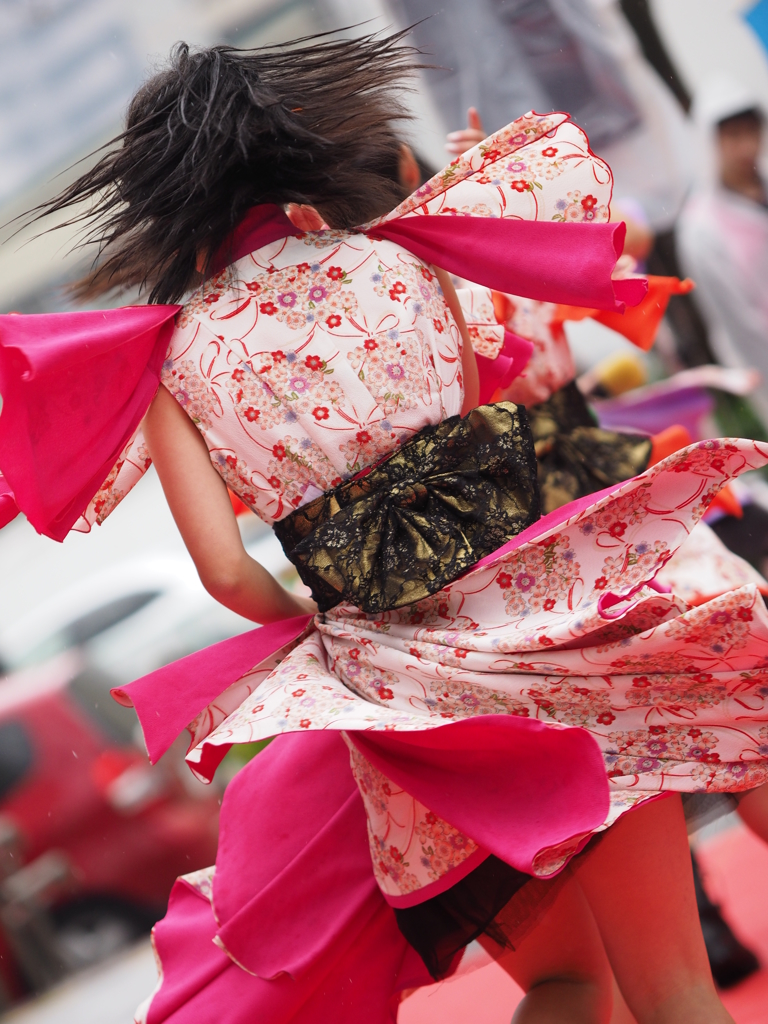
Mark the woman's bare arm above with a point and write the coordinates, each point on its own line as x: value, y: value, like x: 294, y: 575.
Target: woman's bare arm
x: 199, y: 502
x: 468, y: 361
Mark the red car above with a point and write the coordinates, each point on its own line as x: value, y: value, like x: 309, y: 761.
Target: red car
x: 91, y: 836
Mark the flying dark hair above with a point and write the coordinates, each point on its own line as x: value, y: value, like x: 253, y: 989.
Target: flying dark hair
x: 220, y: 130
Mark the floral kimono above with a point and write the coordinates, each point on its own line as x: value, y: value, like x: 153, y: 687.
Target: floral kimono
x: 460, y: 741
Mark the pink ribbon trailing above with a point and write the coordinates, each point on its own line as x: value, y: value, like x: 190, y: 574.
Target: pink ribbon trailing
x: 546, y: 260
x: 509, y: 363
x: 308, y: 935
x: 169, y: 698
x: 75, y: 386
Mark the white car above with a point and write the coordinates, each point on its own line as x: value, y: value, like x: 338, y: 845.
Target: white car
x: 133, y: 617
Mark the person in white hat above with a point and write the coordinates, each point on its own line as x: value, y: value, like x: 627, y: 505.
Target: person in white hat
x: 723, y: 232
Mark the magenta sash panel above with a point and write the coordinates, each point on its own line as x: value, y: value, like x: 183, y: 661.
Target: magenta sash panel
x: 8, y: 507
x: 546, y: 260
x: 75, y: 387
x: 567, y: 263
x: 169, y: 698
x: 295, y: 904
x: 508, y: 364
x: 514, y: 785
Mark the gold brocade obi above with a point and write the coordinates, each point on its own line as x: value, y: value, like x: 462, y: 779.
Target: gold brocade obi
x: 402, y: 530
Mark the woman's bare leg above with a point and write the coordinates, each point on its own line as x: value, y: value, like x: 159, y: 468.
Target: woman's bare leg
x: 639, y: 884
x: 561, y: 965
x: 753, y: 810
x: 621, y: 1013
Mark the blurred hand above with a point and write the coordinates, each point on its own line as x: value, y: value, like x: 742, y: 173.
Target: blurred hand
x: 639, y: 239
x: 459, y: 142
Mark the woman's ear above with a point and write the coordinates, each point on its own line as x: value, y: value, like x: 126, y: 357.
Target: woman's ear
x: 408, y: 170
x: 305, y: 218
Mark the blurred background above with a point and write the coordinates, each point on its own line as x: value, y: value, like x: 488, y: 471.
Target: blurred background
x: 672, y: 94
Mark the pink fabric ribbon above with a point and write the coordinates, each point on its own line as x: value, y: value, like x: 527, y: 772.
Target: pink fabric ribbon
x: 509, y: 363
x: 295, y: 904
x: 553, y: 262
x: 169, y: 698
x: 293, y: 883
x: 75, y: 387
x: 294, y: 899
x: 514, y: 785
x: 8, y: 507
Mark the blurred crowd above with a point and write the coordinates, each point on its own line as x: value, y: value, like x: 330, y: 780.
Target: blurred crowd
x: 690, y: 188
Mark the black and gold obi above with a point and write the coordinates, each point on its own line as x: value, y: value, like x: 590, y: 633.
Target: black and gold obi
x: 577, y: 457
x: 407, y: 527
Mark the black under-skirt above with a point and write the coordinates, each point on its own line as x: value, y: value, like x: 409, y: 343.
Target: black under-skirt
x: 441, y: 926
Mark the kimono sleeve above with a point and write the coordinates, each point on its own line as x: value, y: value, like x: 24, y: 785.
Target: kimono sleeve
x: 75, y: 387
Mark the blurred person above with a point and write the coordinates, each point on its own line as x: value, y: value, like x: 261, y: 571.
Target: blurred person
x: 723, y: 232
x: 413, y: 571
x: 723, y: 242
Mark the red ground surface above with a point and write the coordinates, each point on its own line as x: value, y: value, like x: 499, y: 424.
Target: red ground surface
x: 735, y: 864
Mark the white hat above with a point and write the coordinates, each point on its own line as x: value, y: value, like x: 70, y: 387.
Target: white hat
x: 722, y: 97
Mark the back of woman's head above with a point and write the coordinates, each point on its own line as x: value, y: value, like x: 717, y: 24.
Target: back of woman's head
x: 219, y: 130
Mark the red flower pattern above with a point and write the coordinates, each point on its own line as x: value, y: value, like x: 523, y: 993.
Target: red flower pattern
x: 635, y: 696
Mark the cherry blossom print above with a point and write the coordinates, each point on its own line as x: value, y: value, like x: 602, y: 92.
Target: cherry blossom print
x: 237, y: 476
x: 296, y: 466
x: 191, y: 391
x: 577, y: 207
x: 393, y: 372
x: 313, y: 358
x: 538, y: 576
x: 205, y: 297
x: 539, y: 168
x: 410, y: 845
x: 675, y: 697
x: 369, y: 445
x: 132, y: 464
x: 301, y: 296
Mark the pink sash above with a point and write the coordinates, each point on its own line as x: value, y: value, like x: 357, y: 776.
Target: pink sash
x: 553, y: 262
x: 75, y: 386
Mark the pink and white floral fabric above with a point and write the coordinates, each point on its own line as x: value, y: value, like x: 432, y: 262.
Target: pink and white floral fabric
x: 313, y: 357
x: 567, y: 628
x: 702, y: 568
x: 310, y: 359
x: 539, y: 167
x: 551, y: 365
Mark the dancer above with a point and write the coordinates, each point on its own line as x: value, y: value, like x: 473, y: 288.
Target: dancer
x: 502, y: 685
x: 577, y: 455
